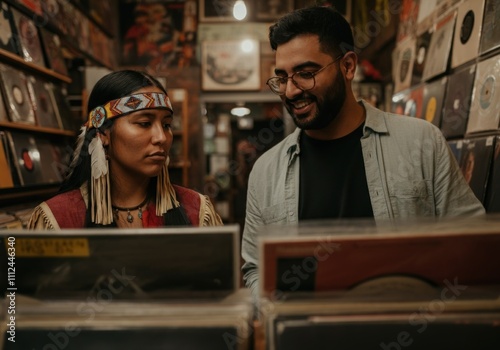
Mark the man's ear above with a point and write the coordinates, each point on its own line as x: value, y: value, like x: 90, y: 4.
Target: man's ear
x: 349, y: 64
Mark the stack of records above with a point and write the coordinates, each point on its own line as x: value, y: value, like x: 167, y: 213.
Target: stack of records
x: 327, y: 282
x: 159, y: 288
x: 7, y: 28
x: 490, y: 37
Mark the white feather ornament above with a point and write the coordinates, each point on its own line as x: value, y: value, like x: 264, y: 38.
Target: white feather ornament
x: 101, y: 210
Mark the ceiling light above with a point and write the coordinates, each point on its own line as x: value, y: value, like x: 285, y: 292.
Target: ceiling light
x: 239, y: 10
x: 240, y: 111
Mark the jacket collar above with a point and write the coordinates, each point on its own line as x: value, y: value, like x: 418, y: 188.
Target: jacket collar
x: 375, y: 121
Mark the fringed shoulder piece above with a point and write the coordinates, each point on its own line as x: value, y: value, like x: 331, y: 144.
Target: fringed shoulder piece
x: 42, y: 219
x: 208, y: 215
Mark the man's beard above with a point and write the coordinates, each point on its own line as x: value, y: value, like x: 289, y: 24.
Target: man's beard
x: 326, y: 109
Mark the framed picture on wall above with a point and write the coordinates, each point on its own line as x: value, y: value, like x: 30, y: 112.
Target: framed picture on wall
x: 272, y: 9
x: 230, y: 65
x: 216, y: 10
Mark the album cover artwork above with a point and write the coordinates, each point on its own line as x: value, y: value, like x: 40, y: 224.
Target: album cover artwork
x: 62, y: 107
x: 42, y: 102
x: 3, y: 112
x: 467, y: 32
x: 34, y: 6
x: 17, y: 98
x: 484, y: 114
x: 405, y: 55
x: 29, y: 45
x: 52, y: 14
x: 475, y: 163
x: 407, y: 19
x: 433, y: 100
x: 53, y: 52
x: 48, y: 161
x: 440, y: 48
x: 399, y: 101
x: 457, y: 102
x: 6, y: 180
x: 490, y: 35
x: 414, y: 104
x: 456, y: 147
x: 492, y: 201
x: 26, y: 158
x: 422, y: 48
x: 7, y: 28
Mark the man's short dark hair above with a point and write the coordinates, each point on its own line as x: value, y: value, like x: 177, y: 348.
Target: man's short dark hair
x: 333, y: 30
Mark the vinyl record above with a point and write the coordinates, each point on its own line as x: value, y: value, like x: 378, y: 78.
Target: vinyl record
x: 53, y: 53
x: 475, y: 163
x: 404, y: 65
x: 29, y: 41
x: 422, y: 49
x: 490, y: 36
x: 433, y: 100
x: 26, y: 158
x: 484, y: 113
x: 7, y: 38
x: 17, y: 100
x: 467, y: 32
x: 457, y: 102
x: 42, y: 102
x: 440, y: 48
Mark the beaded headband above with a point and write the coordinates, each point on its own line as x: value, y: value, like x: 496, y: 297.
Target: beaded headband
x: 128, y: 104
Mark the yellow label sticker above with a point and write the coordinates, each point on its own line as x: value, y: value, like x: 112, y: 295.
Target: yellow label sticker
x: 52, y: 247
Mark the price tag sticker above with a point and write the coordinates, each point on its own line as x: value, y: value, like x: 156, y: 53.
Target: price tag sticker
x: 52, y: 247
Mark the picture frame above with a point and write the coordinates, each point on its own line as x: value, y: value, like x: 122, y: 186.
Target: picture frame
x: 230, y: 65
x: 266, y: 10
x: 216, y: 10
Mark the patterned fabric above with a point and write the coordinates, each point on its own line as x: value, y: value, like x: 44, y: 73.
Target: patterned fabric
x: 128, y: 104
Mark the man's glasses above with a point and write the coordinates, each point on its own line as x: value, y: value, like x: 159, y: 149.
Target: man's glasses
x: 304, y: 80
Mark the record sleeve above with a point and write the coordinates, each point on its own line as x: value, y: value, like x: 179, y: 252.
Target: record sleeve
x: 476, y: 163
x: 7, y: 28
x: 405, y: 57
x: 440, y: 47
x: 422, y: 48
x: 48, y: 161
x: 6, y: 180
x: 34, y: 6
x: 17, y: 97
x: 44, y: 109
x: 29, y: 44
x: 414, y: 104
x: 490, y: 37
x: 53, y: 52
x: 399, y: 101
x: 387, y: 331
x: 433, y: 100
x: 26, y: 158
x: 63, y: 109
x: 467, y: 32
x: 456, y: 147
x: 320, y: 260
x: 457, y: 102
x: 407, y: 19
x: 3, y: 112
x: 484, y: 114
x: 492, y: 202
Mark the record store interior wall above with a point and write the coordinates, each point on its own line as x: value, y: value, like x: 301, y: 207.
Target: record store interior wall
x: 414, y: 52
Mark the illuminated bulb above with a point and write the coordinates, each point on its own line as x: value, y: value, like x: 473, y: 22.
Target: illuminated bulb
x: 239, y: 10
x: 240, y: 111
x: 247, y: 45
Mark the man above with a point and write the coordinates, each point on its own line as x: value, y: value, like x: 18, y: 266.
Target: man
x: 346, y: 159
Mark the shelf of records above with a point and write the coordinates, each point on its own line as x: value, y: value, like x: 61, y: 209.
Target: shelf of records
x: 94, y: 289
x: 36, y: 35
x: 328, y: 282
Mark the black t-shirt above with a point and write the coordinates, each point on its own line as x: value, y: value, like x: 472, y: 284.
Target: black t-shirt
x: 333, y: 179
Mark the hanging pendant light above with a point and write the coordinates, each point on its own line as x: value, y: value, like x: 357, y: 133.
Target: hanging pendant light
x: 239, y: 10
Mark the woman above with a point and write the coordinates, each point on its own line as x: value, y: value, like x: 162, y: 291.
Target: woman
x: 118, y: 176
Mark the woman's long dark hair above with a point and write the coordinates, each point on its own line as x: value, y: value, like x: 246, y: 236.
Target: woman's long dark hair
x: 112, y: 86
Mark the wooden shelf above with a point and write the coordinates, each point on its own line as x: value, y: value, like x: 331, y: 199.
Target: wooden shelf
x: 8, y: 195
x: 38, y: 129
x: 17, y: 61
